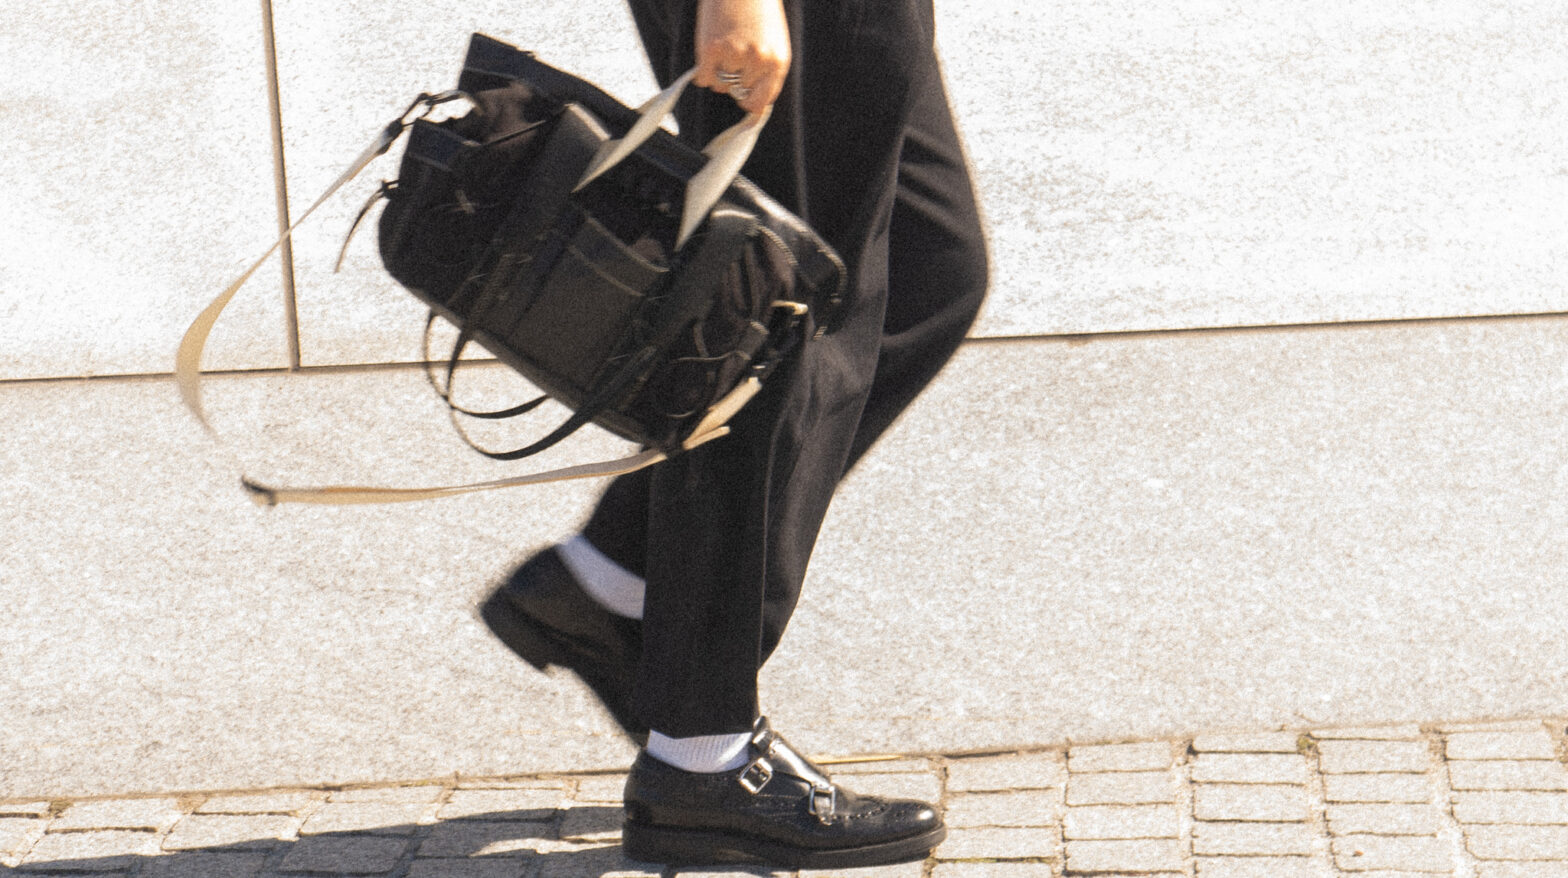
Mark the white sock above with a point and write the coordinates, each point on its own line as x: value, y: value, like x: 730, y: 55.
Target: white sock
x: 708, y: 754
x: 614, y: 587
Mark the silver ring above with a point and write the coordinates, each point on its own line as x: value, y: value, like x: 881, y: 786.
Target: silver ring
x: 740, y: 92
x: 728, y: 77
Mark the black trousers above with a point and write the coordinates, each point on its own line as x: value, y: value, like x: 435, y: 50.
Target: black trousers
x: 861, y: 144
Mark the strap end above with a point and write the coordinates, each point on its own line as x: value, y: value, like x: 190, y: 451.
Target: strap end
x: 261, y: 495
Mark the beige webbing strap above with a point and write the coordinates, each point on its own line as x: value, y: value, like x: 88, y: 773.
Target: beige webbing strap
x: 712, y: 427
x: 187, y: 361
x: 726, y: 153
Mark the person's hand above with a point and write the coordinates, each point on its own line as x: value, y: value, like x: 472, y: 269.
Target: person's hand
x: 743, y: 50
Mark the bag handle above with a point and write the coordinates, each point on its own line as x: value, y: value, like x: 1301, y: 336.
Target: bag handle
x: 726, y: 153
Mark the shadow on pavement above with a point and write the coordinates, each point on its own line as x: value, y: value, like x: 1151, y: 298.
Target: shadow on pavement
x: 573, y: 842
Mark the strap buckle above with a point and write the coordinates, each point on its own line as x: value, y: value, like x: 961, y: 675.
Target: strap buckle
x: 824, y: 803
x: 756, y: 775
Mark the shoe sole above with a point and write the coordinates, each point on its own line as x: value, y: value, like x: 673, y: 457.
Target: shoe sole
x: 538, y: 646
x: 689, y: 847
x: 520, y: 635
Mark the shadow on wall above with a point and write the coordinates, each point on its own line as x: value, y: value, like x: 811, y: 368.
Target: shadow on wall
x: 567, y: 842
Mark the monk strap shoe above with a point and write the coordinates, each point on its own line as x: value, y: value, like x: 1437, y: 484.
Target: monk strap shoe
x: 542, y: 614
x: 780, y: 809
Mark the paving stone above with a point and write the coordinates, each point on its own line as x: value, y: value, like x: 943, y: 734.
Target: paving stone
x: 515, y: 804
x: 1150, y: 756
x: 1249, y: 768
x: 1261, y: 742
x: 1511, y: 807
x: 923, y: 786
x: 601, y: 823
x: 455, y: 868
x: 601, y: 789
x: 1408, y: 788
x: 1256, y: 867
x: 476, y: 838
x: 261, y: 803
x: 1370, y: 733
x: 1383, y: 819
x: 204, y: 865
x: 1121, y: 788
x: 1494, y: 869
x: 1035, y: 771
x: 513, y: 783
x: 1535, y: 744
x: 1517, y: 842
x: 998, y: 843
x: 1397, y: 873
x: 155, y: 815
x: 1513, y: 725
x: 1363, y: 757
x: 716, y: 872
x: 1252, y: 839
x: 345, y: 854
x: 1029, y: 808
x: 381, y: 818
x: 114, y: 848
x: 993, y: 870
x: 1509, y: 775
x: 1141, y: 855
x: 1365, y: 853
x: 17, y: 833
x: 607, y: 861
x: 881, y: 766
x: 24, y: 809
x: 1250, y: 802
x: 421, y: 794
x: 898, y: 870
x: 1110, y: 822
x: 63, y: 870
x: 224, y: 830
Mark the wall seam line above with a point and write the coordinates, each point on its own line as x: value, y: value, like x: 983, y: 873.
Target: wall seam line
x: 281, y: 187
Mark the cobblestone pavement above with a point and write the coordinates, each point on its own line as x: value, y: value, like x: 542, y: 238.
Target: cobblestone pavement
x: 1483, y: 800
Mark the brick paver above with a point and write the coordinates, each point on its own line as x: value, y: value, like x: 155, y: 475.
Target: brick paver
x: 1250, y: 802
x: 1488, y: 800
x: 1112, y: 822
x: 1538, y: 774
x: 1152, y: 756
x: 1034, y: 771
x: 1258, y: 742
x: 1534, y: 744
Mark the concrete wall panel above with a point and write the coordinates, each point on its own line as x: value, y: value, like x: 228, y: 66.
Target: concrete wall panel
x: 139, y: 181
x: 1198, y: 163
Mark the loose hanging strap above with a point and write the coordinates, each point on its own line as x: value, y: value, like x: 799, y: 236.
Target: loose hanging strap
x: 727, y: 153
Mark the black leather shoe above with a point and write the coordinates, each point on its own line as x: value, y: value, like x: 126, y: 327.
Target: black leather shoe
x: 780, y: 810
x: 542, y: 614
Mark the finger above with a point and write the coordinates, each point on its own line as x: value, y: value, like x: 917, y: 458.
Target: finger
x: 715, y: 56
x: 763, y: 91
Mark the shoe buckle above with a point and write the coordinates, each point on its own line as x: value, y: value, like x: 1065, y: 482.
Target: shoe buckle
x: 756, y: 775
x: 824, y: 803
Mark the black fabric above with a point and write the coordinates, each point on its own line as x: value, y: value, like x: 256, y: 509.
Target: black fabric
x: 862, y: 145
x: 585, y: 291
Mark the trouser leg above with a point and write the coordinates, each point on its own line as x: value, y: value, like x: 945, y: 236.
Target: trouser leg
x: 723, y: 534
x: 937, y: 281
